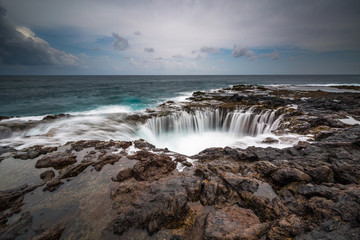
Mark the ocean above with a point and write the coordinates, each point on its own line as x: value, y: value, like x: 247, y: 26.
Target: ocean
x: 41, y: 95
x: 101, y: 108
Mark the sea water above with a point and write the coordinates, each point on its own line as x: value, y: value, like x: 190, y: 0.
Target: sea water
x: 99, y: 106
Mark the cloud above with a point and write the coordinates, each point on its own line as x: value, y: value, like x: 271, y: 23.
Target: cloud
x: 137, y: 33
x: 242, y: 52
x: 120, y: 43
x: 273, y: 55
x: 20, y: 46
x: 149, y: 50
x: 211, y: 50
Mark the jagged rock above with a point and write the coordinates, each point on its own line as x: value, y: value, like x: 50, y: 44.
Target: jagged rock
x: 321, y: 174
x: 240, y: 184
x: 233, y: 223
x: 142, y: 144
x: 285, y: 176
x: 56, y: 161
x: 74, y: 170
x: 154, y: 168
x: 124, y: 175
x: 150, y: 206
x: 47, y: 175
x: 107, y: 159
x: 53, y: 233
x: 287, y: 228
x: 332, y: 230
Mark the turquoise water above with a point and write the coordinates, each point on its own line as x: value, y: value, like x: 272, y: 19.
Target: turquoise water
x: 40, y: 95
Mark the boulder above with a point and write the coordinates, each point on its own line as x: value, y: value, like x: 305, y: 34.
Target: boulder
x: 56, y: 161
x: 47, y: 175
x: 288, y: 175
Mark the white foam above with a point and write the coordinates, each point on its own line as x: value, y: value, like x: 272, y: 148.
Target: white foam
x: 104, y: 110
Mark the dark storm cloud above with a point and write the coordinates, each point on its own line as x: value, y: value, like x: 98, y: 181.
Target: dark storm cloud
x: 211, y: 50
x: 149, y: 50
x: 242, y: 52
x: 20, y: 46
x: 120, y: 42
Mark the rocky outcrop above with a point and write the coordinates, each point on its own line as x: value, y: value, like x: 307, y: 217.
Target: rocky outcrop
x: 56, y: 161
x: 308, y: 191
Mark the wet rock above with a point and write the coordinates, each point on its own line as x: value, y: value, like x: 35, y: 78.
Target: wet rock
x: 74, y: 170
x: 56, y: 116
x: 142, y: 144
x: 240, y: 184
x: 270, y: 140
x: 3, y: 118
x: 47, y: 175
x: 56, y: 161
x: 123, y: 175
x: 287, y: 228
x: 53, y: 233
x: 321, y: 174
x: 150, y: 206
x: 209, y: 192
x: 285, y: 176
x: 52, y: 185
x: 154, y: 168
x: 5, y: 132
x: 20, y: 227
x: 11, y: 197
x: 107, y: 159
x: 33, y: 152
x: 211, y: 154
x: 332, y: 230
x: 233, y: 223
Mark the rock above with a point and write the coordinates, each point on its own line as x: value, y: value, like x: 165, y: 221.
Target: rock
x: 240, y: 184
x: 56, y: 161
x: 18, y: 228
x: 52, y: 185
x: 233, y: 223
x: 47, y: 175
x: 74, y: 170
x: 286, y: 175
x: 321, y: 174
x: 162, y: 204
x: 56, y: 116
x: 53, y: 233
x: 332, y: 230
x: 209, y: 192
x: 287, y: 228
x: 10, y: 197
x: 124, y: 175
x: 154, y: 168
x: 270, y: 140
x: 5, y: 132
x: 4, y: 117
x: 142, y: 144
x: 107, y: 159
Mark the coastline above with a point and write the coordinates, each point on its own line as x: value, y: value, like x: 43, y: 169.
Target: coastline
x: 307, y: 190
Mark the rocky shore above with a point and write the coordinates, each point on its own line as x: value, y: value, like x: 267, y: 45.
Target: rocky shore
x: 133, y: 190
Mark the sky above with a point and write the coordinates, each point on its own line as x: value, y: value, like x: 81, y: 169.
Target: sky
x: 188, y: 37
